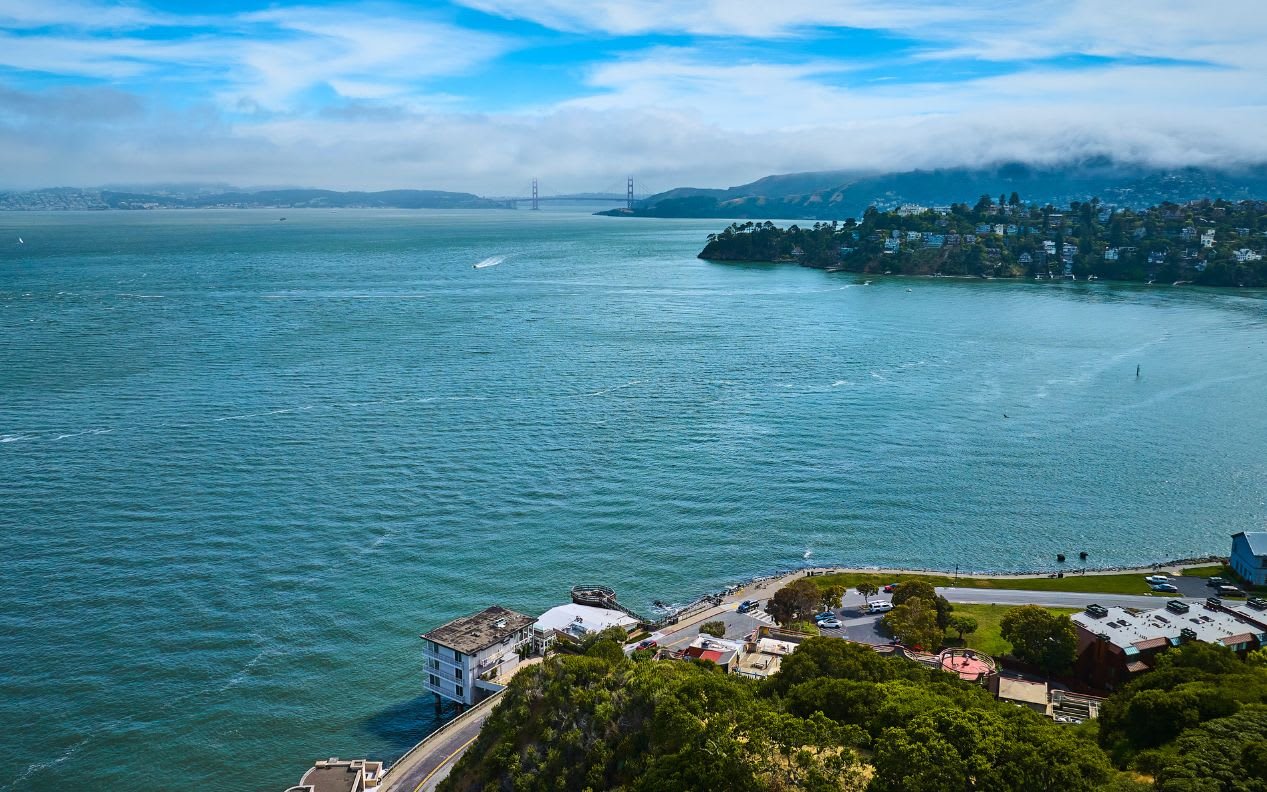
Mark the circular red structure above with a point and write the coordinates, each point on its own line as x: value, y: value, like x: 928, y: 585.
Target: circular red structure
x: 968, y: 665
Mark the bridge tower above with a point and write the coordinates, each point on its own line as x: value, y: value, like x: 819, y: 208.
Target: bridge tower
x: 629, y: 199
x: 534, y: 195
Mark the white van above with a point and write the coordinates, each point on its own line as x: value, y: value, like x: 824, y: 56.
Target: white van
x: 877, y: 606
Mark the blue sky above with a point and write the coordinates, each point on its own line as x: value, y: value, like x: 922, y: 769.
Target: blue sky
x: 483, y: 95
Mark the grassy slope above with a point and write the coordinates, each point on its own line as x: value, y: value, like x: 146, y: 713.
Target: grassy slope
x: 987, y: 638
x: 1128, y: 583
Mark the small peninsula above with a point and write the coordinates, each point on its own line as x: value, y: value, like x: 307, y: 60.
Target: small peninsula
x: 1208, y: 243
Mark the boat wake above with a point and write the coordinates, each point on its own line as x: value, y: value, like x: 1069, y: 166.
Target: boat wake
x: 491, y: 261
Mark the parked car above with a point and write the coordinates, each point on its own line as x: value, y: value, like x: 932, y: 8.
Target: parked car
x: 824, y: 615
x: 1216, y: 582
x: 747, y: 606
x: 877, y: 606
x: 1169, y: 588
x: 831, y: 624
x: 1157, y: 579
x: 648, y: 644
x: 1230, y: 591
x: 889, y: 587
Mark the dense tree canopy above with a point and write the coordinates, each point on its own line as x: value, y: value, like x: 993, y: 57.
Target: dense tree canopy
x: 1214, y: 243
x: 1040, y: 637
x: 838, y: 716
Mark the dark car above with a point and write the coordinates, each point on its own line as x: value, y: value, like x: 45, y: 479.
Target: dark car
x: 824, y: 615
x: 747, y: 606
x: 1216, y: 582
x: 1230, y: 591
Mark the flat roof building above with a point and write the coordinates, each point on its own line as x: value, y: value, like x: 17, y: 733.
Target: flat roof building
x: 465, y: 657
x: 576, y: 621
x: 340, y: 775
x: 1114, y: 644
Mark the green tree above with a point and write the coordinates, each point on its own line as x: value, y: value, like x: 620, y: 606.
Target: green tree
x: 833, y: 596
x: 1040, y: 637
x: 867, y: 589
x: 912, y: 589
x: 962, y: 624
x: 717, y: 629
x: 914, y: 623
x: 798, y: 599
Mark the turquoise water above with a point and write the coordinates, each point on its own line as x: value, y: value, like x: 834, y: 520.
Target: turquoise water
x: 244, y: 463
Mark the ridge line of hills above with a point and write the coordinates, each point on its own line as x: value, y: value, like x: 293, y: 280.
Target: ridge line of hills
x: 839, y: 195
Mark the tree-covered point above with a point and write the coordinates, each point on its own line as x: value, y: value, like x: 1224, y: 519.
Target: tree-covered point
x: 1214, y: 243
x: 838, y: 716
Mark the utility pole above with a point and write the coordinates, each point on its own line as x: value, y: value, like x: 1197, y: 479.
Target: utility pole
x: 629, y: 194
x: 534, y: 195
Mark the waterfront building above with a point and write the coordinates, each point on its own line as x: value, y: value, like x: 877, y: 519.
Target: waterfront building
x: 1115, y: 644
x: 341, y: 775
x: 1249, y: 556
x: 574, y: 621
x: 464, y: 658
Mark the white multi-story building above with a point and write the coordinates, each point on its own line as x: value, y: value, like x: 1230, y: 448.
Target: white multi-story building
x: 465, y: 658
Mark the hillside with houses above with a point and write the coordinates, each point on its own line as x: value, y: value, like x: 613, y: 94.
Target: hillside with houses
x: 1211, y: 243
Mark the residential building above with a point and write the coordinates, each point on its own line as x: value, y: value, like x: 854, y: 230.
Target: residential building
x: 908, y: 209
x: 934, y: 240
x: 1207, y: 238
x: 892, y: 245
x: 762, y: 656
x: 1244, y: 255
x: 574, y: 622
x: 1025, y: 258
x: 1249, y: 556
x: 1110, y: 254
x: 720, y: 651
x: 913, y: 236
x: 1049, y: 247
x: 340, y: 775
x: 1115, y: 644
x: 466, y: 656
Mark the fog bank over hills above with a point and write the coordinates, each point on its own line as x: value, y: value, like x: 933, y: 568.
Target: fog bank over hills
x: 832, y: 195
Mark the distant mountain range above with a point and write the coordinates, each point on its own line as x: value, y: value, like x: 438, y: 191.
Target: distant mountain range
x: 70, y: 198
x: 836, y: 195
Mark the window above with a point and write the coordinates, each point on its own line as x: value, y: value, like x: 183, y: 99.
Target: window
x: 435, y: 663
x: 457, y: 656
x: 457, y: 673
x: 433, y: 680
x: 459, y: 691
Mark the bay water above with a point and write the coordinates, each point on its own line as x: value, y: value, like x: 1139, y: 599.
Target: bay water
x: 245, y: 461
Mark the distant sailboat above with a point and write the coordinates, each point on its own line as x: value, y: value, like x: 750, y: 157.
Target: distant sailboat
x: 20, y: 242
x: 491, y: 261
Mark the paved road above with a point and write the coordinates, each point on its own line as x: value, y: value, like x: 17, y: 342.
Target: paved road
x: 1057, y: 599
x: 425, y: 769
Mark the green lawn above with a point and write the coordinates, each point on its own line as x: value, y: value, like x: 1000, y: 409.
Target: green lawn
x: 1217, y: 570
x: 987, y: 638
x: 1128, y: 583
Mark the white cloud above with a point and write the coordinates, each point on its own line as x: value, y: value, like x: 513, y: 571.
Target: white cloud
x: 750, y: 18
x: 358, y: 96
